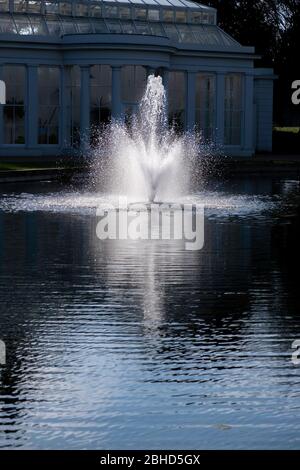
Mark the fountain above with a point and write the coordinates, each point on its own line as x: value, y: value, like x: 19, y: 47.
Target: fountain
x: 146, y: 160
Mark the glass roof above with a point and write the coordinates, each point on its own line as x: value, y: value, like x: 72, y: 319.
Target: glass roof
x: 58, y: 25
x: 193, y: 12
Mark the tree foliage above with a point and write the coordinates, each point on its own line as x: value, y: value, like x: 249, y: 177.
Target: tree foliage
x: 273, y: 28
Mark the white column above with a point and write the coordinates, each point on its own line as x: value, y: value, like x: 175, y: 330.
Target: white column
x: 85, y: 106
x: 190, y: 100
x: 32, y: 106
x: 66, y: 107
x: 116, y: 93
x: 220, y: 108
x: 248, y: 113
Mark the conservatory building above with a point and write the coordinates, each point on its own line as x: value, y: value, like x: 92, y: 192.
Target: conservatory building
x: 70, y: 66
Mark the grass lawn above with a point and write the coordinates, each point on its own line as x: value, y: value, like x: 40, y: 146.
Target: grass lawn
x: 293, y: 130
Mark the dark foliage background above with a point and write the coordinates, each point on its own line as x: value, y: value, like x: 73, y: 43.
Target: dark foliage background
x: 273, y: 27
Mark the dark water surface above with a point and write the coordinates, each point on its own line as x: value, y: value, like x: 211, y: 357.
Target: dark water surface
x: 143, y: 344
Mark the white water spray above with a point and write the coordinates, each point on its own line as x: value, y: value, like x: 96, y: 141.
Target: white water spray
x: 146, y: 161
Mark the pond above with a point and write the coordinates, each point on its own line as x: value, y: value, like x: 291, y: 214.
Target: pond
x: 142, y: 344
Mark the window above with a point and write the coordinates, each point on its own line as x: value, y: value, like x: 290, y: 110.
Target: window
x: 51, y: 7
x: 110, y: 11
x: 54, y: 27
x: 4, y: 5
x: 95, y: 11
x: 156, y: 29
x: 171, y: 31
x: 233, y: 109
x: 83, y: 26
x: 68, y: 26
x: 180, y: 16
x: 125, y: 13
x: 49, y: 101
x: 65, y: 8
x: 153, y: 15
x: 114, y: 26
x: 128, y: 27
x: 205, y: 105
x: 196, y: 17
x: 82, y: 9
x: 205, y: 18
x: 20, y: 6
x: 23, y: 25
x: 133, y: 82
x: 140, y: 14
x: 7, y: 25
x: 34, y: 6
x: 100, y: 112
x: 168, y: 15
x: 186, y: 34
x: 142, y: 27
x: 38, y: 25
x: 207, y: 36
x: 100, y: 27
x: 14, y: 109
x: 176, y: 100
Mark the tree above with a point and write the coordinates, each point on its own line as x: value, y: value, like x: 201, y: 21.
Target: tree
x: 273, y: 28
x: 252, y: 23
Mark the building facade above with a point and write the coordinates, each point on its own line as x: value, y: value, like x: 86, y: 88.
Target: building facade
x: 70, y: 66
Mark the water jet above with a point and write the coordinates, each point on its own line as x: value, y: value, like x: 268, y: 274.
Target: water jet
x: 147, y: 160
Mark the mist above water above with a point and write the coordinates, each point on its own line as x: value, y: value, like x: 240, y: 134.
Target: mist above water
x: 147, y: 160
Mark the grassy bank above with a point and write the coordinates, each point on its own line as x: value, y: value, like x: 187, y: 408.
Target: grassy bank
x: 293, y: 130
